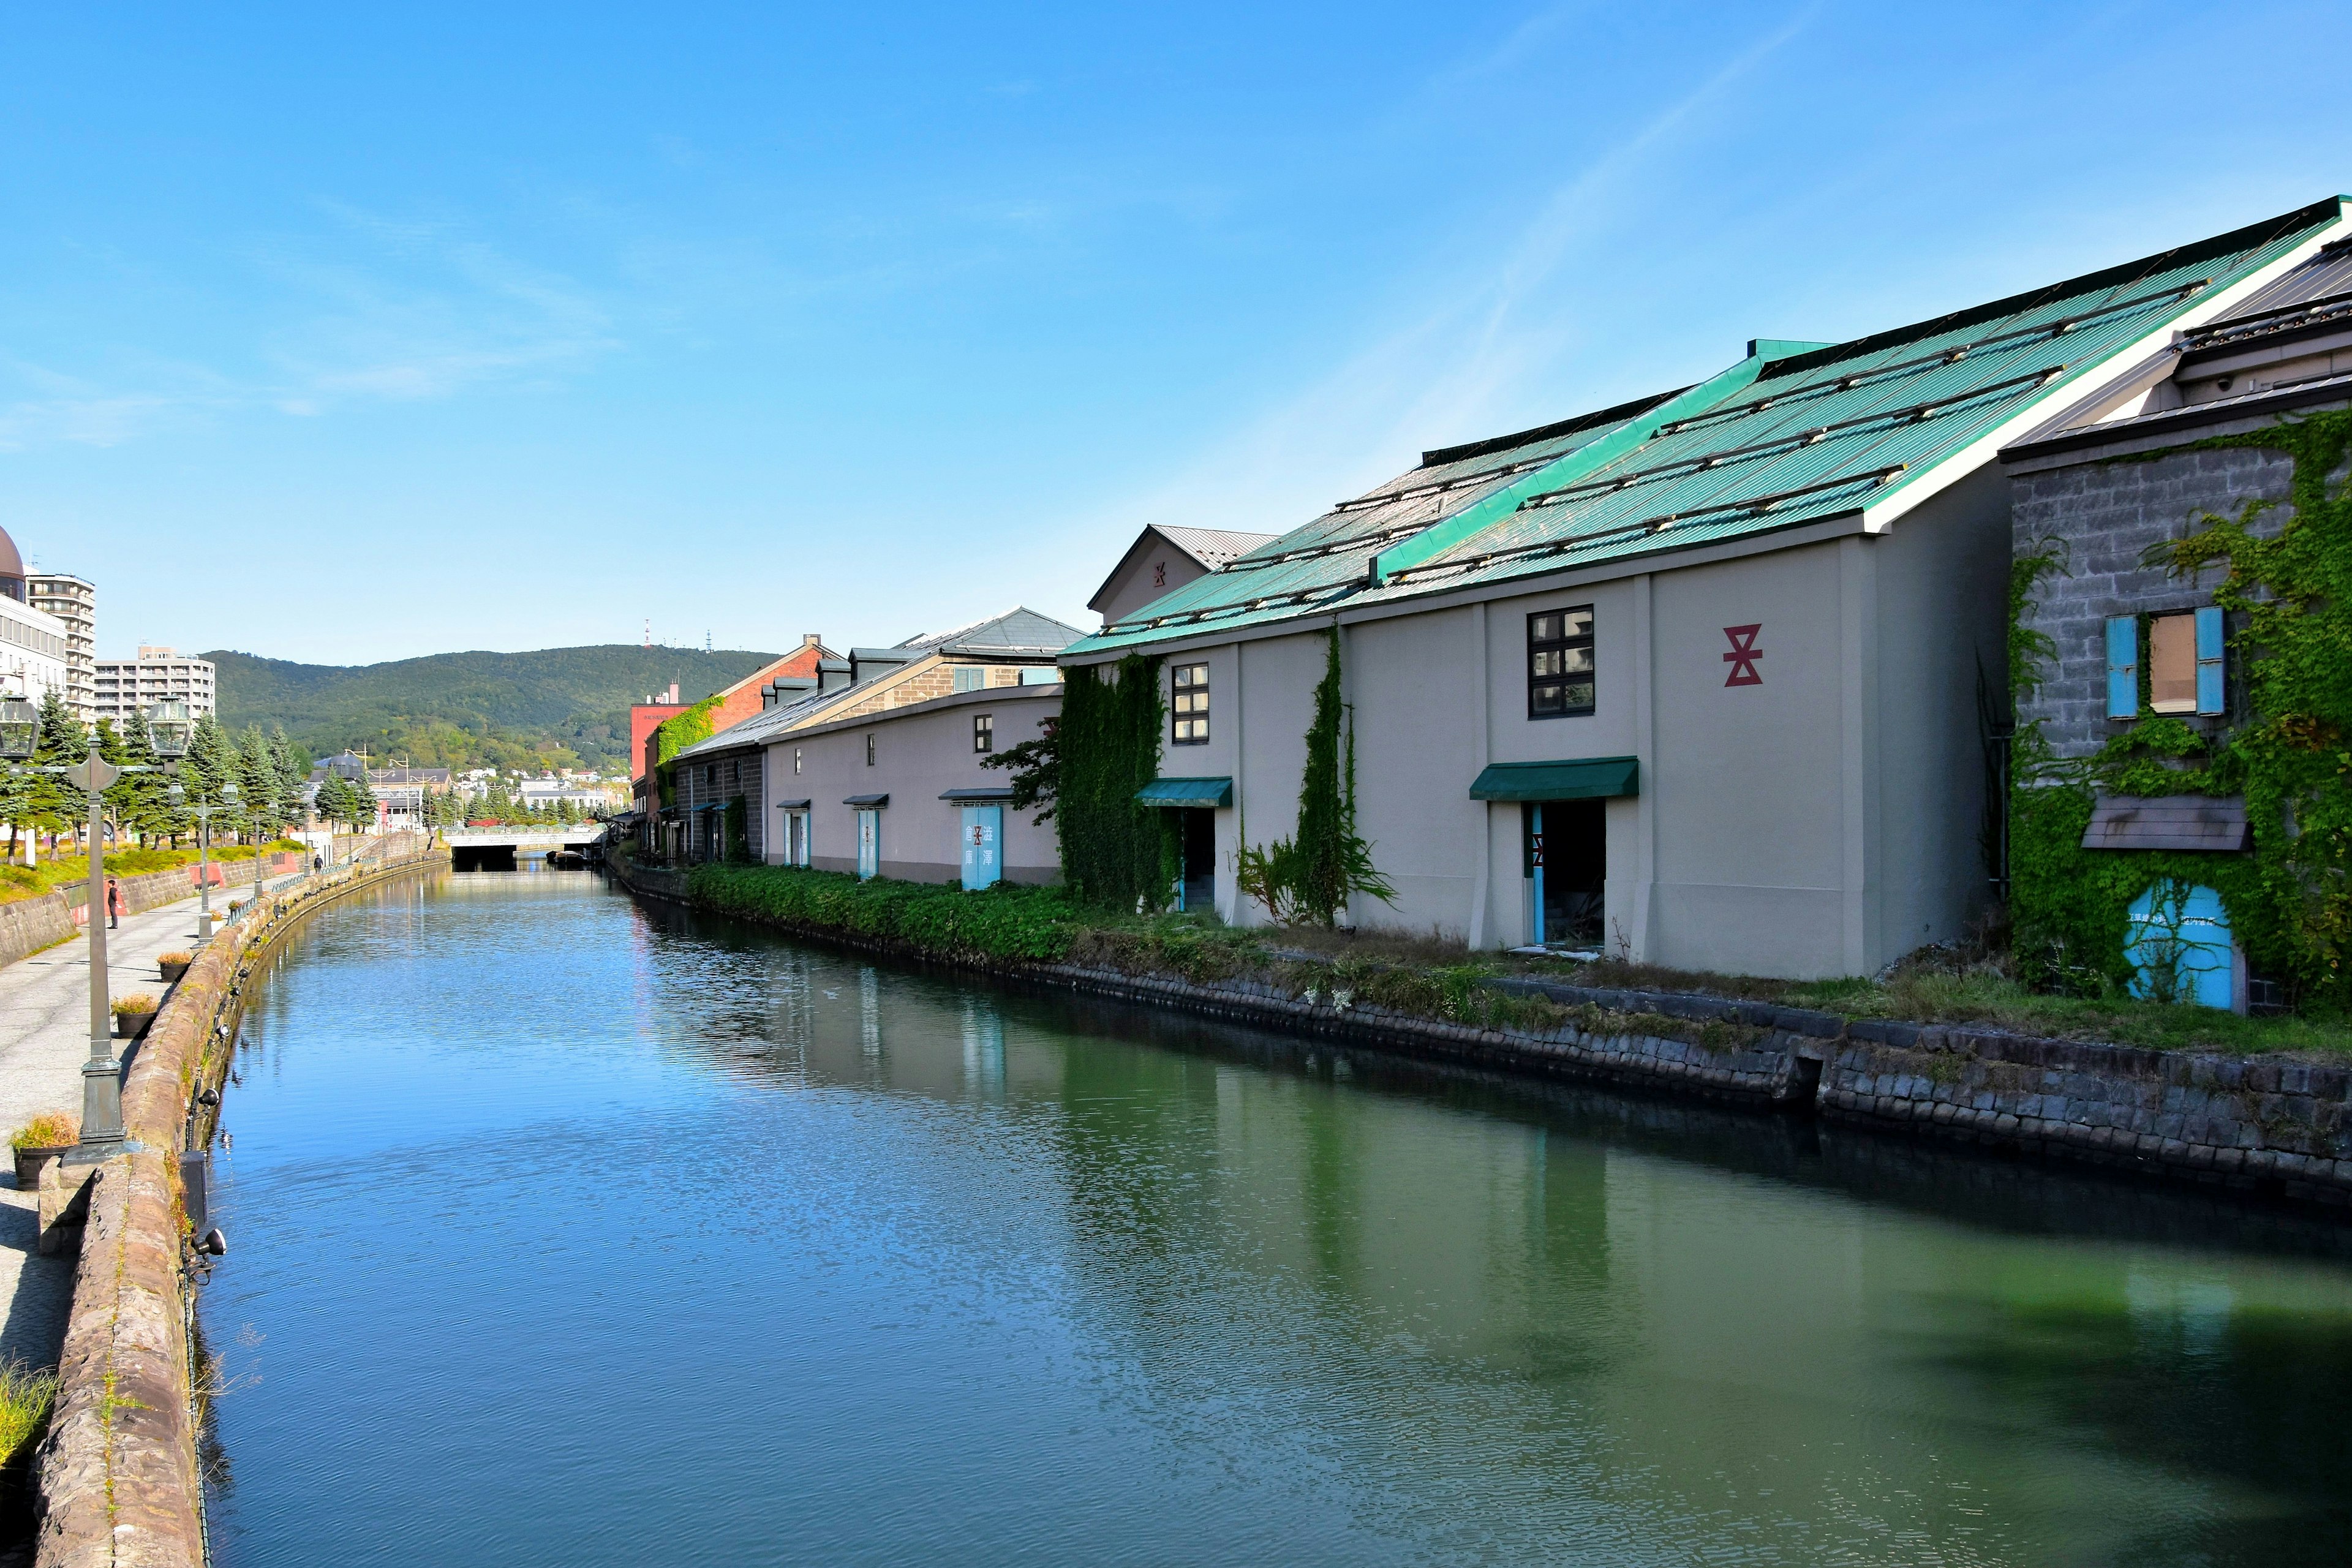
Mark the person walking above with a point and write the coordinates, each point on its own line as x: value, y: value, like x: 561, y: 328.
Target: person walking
x: 113, y: 904
x: 318, y: 861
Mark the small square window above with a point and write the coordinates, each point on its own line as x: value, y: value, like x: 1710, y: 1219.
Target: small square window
x: 983, y: 732
x: 1188, y: 704
x: 1560, y: 663
x: 869, y: 751
x: 970, y: 678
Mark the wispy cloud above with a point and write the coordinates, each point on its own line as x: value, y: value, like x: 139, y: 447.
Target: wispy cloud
x: 373, y: 309
x: 1444, y: 372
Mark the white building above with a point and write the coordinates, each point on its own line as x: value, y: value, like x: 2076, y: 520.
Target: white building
x: 75, y: 604
x: 156, y: 675
x: 34, y: 645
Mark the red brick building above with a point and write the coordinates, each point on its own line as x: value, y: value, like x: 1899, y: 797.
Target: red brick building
x: 736, y: 703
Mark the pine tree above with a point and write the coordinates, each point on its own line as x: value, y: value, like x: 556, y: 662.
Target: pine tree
x: 257, y: 783
x: 145, y: 805
x: 56, y: 805
x: 210, y: 762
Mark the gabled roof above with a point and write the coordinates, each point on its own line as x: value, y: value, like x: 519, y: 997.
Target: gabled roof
x: 1017, y: 634
x: 1208, y: 548
x: 1792, y: 434
x: 1016, y: 631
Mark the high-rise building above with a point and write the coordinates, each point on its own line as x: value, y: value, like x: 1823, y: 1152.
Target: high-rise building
x: 75, y: 602
x: 156, y: 675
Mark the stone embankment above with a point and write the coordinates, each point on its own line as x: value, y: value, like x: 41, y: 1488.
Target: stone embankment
x: 2254, y: 1124
x: 117, y: 1472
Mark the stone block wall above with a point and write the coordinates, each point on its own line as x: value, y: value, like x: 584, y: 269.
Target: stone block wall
x: 2106, y: 515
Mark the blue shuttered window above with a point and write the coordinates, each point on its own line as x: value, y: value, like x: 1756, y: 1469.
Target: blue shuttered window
x: 2122, y: 667
x: 2211, y: 696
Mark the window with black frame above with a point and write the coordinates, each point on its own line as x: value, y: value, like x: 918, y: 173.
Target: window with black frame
x: 1188, y: 706
x: 1560, y: 663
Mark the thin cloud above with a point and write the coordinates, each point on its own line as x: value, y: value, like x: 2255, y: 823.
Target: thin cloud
x: 1443, y: 373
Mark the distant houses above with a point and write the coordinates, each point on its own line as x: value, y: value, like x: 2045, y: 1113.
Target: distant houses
x: 1790, y: 671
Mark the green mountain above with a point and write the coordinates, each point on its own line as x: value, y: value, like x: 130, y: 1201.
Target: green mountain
x: 558, y: 707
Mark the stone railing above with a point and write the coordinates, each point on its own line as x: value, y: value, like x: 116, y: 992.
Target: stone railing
x: 118, y: 1482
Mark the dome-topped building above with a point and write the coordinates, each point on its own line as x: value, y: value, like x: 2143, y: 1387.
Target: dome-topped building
x: 12, y: 569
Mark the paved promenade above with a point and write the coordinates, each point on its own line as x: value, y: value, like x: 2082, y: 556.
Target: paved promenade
x: 44, y: 1040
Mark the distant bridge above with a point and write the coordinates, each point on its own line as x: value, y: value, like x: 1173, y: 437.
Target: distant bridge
x: 499, y: 848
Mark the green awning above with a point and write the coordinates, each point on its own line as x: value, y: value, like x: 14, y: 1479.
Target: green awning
x: 1586, y: 778
x: 1186, y: 793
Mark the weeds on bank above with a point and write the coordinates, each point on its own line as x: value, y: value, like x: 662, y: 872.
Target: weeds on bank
x: 1435, y: 976
x: 26, y: 1398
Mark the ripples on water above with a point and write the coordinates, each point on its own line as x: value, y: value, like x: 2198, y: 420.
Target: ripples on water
x: 568, y: 1232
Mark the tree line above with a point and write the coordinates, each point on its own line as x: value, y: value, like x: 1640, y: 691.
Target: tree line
x: 267, y: 768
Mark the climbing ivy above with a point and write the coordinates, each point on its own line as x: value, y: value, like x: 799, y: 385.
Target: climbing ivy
x: 1308, y: 877
x: 674, y: 734
x: 2289, y: 599
x: 1113, y: 850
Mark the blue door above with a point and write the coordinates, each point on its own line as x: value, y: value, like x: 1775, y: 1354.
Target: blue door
x: 2180, y: 947
x: 869, y: 844
x: 984, y: 838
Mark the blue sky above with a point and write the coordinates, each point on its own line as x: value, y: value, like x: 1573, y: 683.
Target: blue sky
x: 341, y: 334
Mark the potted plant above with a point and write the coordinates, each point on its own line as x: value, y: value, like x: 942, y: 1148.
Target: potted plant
x: 40, y: 1140
x: 133, y: 1014
x: 173, y: 965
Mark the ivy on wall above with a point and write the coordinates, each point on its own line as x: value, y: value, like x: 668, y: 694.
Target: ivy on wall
x: 2289, y: 599
x: 1113, y: 850
x: 674, y: 734
x: 1311, y: 876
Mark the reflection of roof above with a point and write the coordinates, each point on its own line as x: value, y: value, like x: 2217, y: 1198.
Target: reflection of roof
x: 1794, y: 433
x: 1015, y: 634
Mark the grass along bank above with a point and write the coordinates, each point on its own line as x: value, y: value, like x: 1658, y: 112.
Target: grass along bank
x: 31, y: 881
x: 1432, y: 978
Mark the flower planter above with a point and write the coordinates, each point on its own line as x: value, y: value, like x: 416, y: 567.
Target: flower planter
x: 172, y: 972
x: 31, y: 1161
x: 131, y: 1026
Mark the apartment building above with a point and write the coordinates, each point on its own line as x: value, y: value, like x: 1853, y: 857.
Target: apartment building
x: 74, y: 603
x: 158, y: 674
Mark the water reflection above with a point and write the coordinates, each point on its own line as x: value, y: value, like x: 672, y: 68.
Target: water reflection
x: 906, y: 1268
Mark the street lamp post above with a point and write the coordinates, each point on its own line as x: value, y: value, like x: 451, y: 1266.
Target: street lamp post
x: 101, y: 1076
x: 204, y: 816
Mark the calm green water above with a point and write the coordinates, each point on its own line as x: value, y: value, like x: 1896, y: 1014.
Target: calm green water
x: 565, y: 1232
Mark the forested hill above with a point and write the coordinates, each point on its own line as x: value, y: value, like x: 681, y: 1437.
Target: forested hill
x: 560, y: 706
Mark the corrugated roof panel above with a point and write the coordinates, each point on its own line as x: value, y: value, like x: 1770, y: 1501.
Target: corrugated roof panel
x: 1816, y: 434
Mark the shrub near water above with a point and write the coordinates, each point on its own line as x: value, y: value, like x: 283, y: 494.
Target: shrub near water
x: 1006, y: 922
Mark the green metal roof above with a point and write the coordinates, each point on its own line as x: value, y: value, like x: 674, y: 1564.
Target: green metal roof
x: 1792, y: 434
x: 1186, y: 793
x: 1585, y: 778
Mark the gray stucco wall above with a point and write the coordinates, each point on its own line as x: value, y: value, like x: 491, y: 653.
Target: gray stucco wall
x: 2106, y: 515
x: 920, y: 751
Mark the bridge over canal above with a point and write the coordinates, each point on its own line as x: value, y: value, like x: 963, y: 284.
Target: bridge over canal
x: 502, y: 848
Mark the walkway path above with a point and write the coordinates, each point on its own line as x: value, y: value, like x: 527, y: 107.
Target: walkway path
x: 44, y: 1040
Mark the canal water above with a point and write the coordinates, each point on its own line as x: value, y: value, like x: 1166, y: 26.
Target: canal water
x: 565, y: 1231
